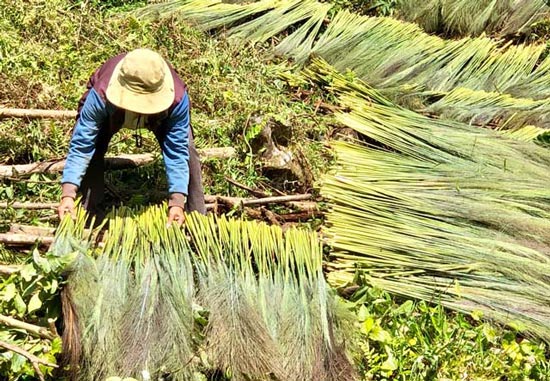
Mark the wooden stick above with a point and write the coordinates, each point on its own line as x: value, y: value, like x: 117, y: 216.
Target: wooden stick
x: 32, y: 329
x: 36, y: 114
x: 9, y: 269
x: 255, y: 192
x: 32, y: 358
x: 30, y: 205
x: 18, y: 239
x: 115, y: 162
x: 31, y: 229
x: 235, y: 201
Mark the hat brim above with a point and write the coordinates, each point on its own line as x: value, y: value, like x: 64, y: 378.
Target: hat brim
x: 148, y: 103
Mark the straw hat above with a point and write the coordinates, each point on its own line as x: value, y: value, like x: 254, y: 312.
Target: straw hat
x: 142, y: 83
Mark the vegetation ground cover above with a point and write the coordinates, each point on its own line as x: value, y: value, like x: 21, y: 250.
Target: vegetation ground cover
x: 236, y: 90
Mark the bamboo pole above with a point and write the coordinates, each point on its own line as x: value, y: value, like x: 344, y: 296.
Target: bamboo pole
x: 115, y: 162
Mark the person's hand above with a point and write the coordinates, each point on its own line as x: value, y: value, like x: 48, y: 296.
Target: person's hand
x: 175, y: 214
x: 66, y: 206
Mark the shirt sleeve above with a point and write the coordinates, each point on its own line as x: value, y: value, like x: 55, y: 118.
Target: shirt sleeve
x: 175, y: 148
x: 82, y: 147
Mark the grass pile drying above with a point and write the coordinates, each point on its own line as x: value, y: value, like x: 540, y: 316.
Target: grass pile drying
x: 132, y: 301
x: 473, y: 17
x: 438, y: 210
x: 397, y: 57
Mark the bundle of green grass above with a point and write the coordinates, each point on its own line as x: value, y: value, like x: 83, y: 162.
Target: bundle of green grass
x: 149, y: 301
x: 472, y: 79
x: 439, y: 210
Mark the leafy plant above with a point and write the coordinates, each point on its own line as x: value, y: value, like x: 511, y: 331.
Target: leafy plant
x: 29, y: 308
x: 367, y: 7
x: 406, y: 340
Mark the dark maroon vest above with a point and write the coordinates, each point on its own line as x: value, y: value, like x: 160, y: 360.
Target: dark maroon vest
x: 99, y: 82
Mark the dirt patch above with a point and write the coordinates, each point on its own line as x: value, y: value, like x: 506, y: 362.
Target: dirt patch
x: 19, y: 92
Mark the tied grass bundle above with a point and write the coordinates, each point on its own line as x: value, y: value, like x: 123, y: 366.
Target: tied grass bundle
x: 265, y: 290
x: 473, y: 17
x: 382, y: 51
x: 439, y: 210
x: 492, y: 109
x: 270, y: 313
x: 397, y: 57
x: 132, y: 298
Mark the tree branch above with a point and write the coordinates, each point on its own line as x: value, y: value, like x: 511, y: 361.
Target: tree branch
x: 255, y: 192
x: 15, y: 239
x: 236, y: 201
x: 32, y: 329
x: 32, y: 358
x: 115, y: 162
x: 36, y: 114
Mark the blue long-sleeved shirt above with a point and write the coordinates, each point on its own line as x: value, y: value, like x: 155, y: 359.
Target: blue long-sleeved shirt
x: 94, y: 115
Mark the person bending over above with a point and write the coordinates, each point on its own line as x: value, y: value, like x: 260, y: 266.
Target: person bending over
x: 134, y: 90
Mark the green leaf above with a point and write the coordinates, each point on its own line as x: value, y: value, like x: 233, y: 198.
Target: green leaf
x: 53, y: 286
x: 368, y: 324
x: 42, y: 263
x: 19, y: 304
x: 363, y: 313
x: 28, y: 272
x: 9, y: 193
x: 380, y: 334
x: 390, y: 364
x: 9, y: 292
x: 476, y: 315
x: 17, y: 363
x: 35, y: 303
x: 404, y: 309
x: 56, y: 345
x: 490, y: 333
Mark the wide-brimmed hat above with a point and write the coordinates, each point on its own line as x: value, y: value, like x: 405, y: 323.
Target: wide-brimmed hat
x: 141, y: 82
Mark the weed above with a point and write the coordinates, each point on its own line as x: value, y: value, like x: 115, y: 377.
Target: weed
x: 406, y: 340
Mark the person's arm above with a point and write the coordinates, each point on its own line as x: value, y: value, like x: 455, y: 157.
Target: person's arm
x: 175, y: 150
x: 81, y: 149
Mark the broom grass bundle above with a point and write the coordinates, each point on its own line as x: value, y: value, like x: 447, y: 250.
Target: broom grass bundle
x: 473, y: 17
x: 270, y: 312
x: 394, y: 56
x: 265, y: 290
x: 492, y: 109
x: 439, y: 210
x: 132, y: 298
